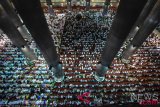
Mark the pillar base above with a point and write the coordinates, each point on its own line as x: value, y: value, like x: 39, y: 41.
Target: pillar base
x: 127, y: 53
x: 28, y: 53
x: 98, y: 78
x: 58, y: 73
x: 99, y: 75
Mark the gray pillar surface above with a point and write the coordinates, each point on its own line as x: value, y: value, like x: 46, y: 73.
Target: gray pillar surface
x: 10, y: 11
x: 145, y: 30
x: 50, y: 7
x: 13, y: 34
x: 87, y: 5
x: 148, y: 26
x: 15, y: 19
x: 145, y: 12
x: 127, y: 13
x: 105, y: 7
x: 69, y: 5
x: 34, y: 19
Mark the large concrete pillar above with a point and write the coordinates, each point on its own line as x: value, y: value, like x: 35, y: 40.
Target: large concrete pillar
x: 144, y: 31
x: 69, y: 5
x: 14, y: 17
x: 105, y: 7
x: 127, y: 13
x: 50, y: 8
x: 13, y: 34
x: 145, y: 12
x: 34, y: 19
x: 88, y: 5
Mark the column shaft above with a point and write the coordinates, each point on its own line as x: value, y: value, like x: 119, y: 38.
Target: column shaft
x: 87, y: 5
x: 148, y: 26
x: 50, y: 7
x: 145, y: 12
x: 144, y: 31
x: 15, y: 19
x: 13, y: 34
x: 69, y: 5
x: 105, y: 7
x: 34, y: 19
x: 127, y: 13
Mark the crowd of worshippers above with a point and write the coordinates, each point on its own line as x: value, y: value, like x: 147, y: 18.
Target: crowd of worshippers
x: 82, y: 24
x: 76, y: 25
x: 31, y: 84
x: 90, y: 26
x: 56, y: 25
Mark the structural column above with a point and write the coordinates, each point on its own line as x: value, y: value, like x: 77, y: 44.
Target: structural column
x: 15, y: 19
x: 144, y: 31
x: 34, y: 19
x: 145, y: 12
x: 50, y: 8
x: 127, y: 13
x: 105, y: 7
x: 13, y: 34
x: 69, y: 5
x: 88, y: 5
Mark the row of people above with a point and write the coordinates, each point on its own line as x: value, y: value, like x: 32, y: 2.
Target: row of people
x: 23, y: 82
